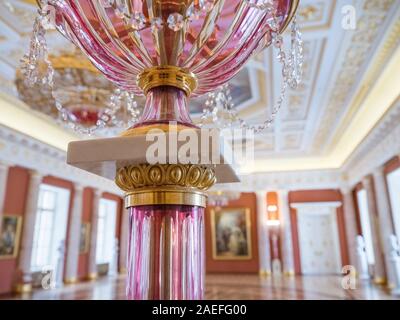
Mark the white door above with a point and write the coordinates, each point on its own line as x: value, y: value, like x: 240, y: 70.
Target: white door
x: 318, y: 239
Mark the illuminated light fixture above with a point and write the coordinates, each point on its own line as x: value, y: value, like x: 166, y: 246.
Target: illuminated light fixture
x: 272, y: 208
x: 82, y: 99
x: 168, y: 50
x: 273, y: 215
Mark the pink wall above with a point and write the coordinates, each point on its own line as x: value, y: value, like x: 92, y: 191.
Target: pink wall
x: 15, y: 201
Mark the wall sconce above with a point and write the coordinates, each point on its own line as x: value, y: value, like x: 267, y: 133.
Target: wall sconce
x: 273, y: 216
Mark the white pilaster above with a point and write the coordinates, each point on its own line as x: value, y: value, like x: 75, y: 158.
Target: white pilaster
x: 350, y: 221
x: 29, y: 227
x: 71, y: 272
x: 263, y: 237
x: 286, y: 232
x: 385, y: 220
x: 3, y: 188
x: 379, y: 270
x: 123, y: 252
x: 92, y: 271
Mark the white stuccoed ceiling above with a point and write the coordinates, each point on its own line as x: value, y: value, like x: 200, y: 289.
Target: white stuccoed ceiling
x: 341, y: 67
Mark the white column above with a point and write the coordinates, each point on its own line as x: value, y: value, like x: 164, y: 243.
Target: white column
x: 71, y: 272
x: 29, y: 232
x: 263, y: 238
x: 92, y: 272
x: 385, y: 220
x: 350, y: 221
x: 379, y: 270
x: 286, y: 232
x: 3, y: 188
x: 123, y: 252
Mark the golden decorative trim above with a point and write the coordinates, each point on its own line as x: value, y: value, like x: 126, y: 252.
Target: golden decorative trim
x: 71, y: 280
x: 144, y: 176
x: 379, y: 280
x: 264, y: 273
x: 167, y: 76
x: 92, y: 276
x: 156, y: 184
x: 292, y: 11
x: 290, y: 273
x: 33, y: 2
x: 72, y: 61
x: 23, y: 288
x: 158, y: 196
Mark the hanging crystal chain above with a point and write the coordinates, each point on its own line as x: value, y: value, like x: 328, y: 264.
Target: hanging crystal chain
x: 37, y: 68
x: 291, y: 76
x: 175, y: 21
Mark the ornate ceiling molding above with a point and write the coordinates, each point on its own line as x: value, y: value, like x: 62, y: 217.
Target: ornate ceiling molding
x: 370, y: 24
x: 300, y: 180
x: 380, y: 146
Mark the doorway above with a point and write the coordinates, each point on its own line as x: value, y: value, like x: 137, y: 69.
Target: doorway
x: 318, y: 238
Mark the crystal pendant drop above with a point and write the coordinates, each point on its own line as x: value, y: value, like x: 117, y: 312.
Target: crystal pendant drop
x: 156, y: 24
x: 277, y: 41
x: 35, y: 65
x: 273, y: 24
x: 138, y: 20
x: 175, y: 21
x: 46, y: 20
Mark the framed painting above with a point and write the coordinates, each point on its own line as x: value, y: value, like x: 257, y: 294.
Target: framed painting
x: 231, y: 234
x: 84, y: 238
x: 10, y: 236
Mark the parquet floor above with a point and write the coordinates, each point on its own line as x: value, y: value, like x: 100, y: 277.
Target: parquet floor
x: 223, y: 286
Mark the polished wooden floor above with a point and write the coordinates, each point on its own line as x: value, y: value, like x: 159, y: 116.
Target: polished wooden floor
x: 246, y: 287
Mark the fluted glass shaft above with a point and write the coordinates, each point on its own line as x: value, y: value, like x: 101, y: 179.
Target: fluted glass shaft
x: 166, y: 252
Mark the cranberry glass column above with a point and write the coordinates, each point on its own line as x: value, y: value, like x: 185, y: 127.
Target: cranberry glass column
x: 166, y: 252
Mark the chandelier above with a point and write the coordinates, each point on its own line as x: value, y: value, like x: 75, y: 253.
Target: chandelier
x: 85, y: 99
x: 169, y: 51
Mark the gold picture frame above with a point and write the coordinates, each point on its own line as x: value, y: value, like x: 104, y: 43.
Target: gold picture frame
x: 10, y: 234
x: 231, y: 234
x: 84, y: 238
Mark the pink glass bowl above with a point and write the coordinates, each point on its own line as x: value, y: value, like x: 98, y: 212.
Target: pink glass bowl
x: 214, y: 46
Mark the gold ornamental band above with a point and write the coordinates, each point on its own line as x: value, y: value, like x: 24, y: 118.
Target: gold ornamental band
x: 23, y: 288
x: 167, y: 76
x: 159, y: 196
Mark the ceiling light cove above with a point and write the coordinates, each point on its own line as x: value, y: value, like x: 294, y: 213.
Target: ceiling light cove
x: 380, y: 99
x: 16, y: 115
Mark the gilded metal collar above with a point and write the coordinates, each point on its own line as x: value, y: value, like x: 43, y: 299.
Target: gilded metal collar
x: 167, y: 76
